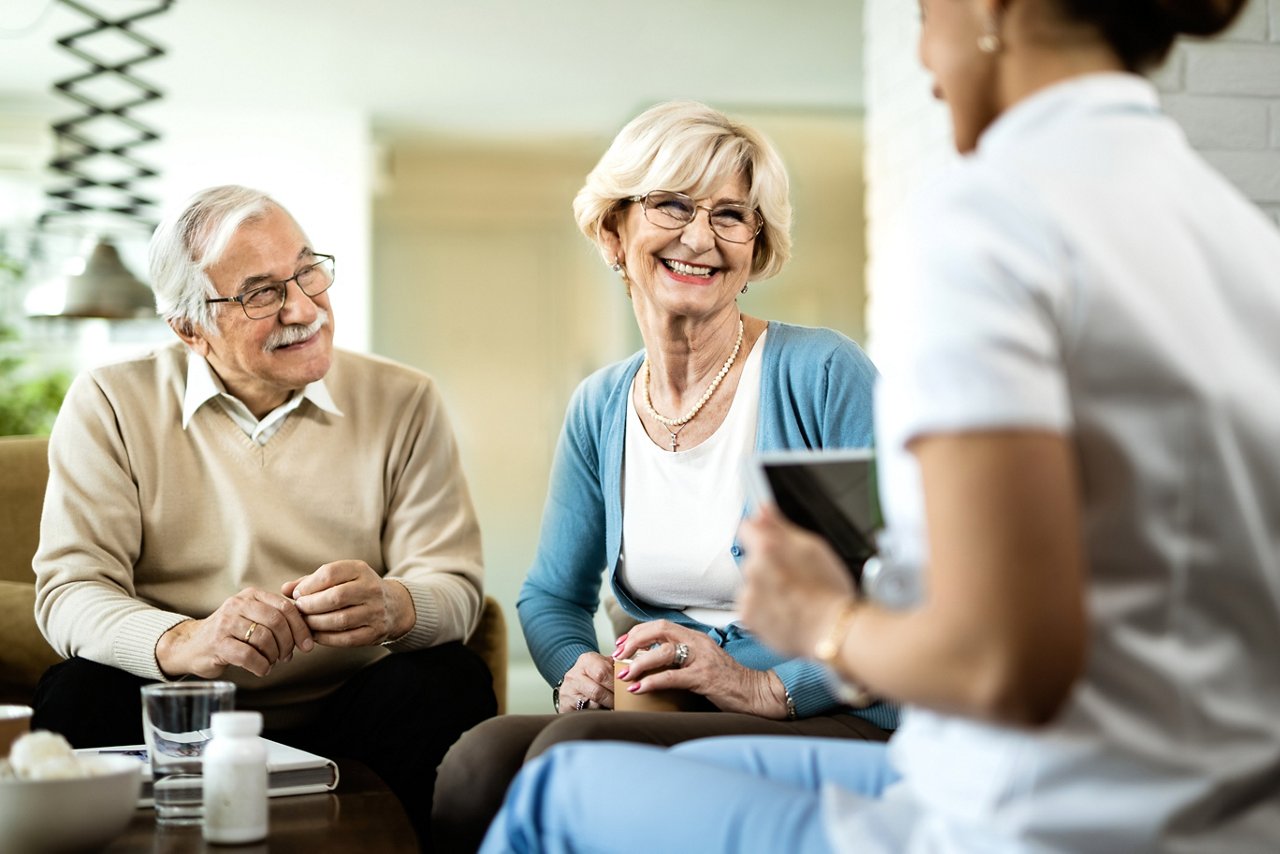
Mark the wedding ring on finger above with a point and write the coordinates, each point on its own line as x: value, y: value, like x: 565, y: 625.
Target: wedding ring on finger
x: 252, y: 627
x: 582, y: 703
x: 682, y: 655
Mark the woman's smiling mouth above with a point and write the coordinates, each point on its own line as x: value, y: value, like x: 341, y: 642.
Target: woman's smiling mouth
x: 685, y: 271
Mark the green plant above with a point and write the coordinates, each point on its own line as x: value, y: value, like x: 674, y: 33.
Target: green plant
x: 28, y: 402
x: 29, y: 399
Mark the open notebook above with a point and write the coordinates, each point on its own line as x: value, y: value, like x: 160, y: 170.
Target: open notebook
x: 290, y: 771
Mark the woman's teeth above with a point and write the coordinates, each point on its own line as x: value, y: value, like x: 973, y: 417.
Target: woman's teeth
x: 687, y: 269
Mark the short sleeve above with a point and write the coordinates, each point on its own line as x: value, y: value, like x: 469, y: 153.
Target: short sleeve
x: 972, y: 313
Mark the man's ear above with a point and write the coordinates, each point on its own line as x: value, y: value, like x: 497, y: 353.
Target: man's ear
x: 190, y: 335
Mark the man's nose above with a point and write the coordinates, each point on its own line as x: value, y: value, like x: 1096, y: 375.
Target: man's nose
x: 298, y: 307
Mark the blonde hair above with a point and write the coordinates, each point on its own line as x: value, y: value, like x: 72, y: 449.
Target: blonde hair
x: 688, y: 147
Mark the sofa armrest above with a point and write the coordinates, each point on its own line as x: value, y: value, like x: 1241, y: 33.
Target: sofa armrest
x: 489, y: 641
x: 24, y: 653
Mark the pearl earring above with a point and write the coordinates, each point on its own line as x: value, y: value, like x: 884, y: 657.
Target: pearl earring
x: 617, y: 266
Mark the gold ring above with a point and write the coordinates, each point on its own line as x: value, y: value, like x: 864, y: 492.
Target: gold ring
x: 249, y: 633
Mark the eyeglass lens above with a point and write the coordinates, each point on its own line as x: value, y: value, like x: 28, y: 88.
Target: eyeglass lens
x: 735, y: 223
x: 266, y: 301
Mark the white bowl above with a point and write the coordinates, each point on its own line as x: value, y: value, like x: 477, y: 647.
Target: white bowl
x: 79, y: 814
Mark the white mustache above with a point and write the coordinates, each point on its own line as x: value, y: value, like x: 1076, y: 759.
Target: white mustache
x: 287, y: 335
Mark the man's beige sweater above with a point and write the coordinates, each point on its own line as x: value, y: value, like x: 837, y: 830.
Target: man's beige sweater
x: 146, y: 524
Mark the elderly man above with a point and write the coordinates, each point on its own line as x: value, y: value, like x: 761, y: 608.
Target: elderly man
x: 251, y: 504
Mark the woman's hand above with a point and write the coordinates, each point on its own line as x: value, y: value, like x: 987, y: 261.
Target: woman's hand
x: 587, y: 685
x: 655, y: 649
x: 796, y: 587
x: 1003, y: 633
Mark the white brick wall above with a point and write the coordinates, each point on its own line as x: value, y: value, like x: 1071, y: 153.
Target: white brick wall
x: 1225, y: 93
x: 1223, y: 123
x: 1252, y: 25
x: 1231, y: 82
x: 1233, y: 67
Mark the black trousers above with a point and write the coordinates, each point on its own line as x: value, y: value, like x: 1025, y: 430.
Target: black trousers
x: 398, y: 716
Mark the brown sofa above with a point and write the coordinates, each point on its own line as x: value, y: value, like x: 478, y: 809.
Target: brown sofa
x: 24, y: 654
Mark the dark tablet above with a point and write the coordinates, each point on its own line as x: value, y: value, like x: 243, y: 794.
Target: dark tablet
x: 832, y: 493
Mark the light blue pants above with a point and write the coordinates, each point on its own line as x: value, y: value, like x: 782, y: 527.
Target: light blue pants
x: 733, y: 794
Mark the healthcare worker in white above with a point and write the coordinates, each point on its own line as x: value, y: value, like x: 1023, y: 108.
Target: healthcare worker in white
x: 1079, y: 430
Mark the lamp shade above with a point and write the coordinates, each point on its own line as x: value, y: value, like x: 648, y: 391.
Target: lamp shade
x: 107, y: 289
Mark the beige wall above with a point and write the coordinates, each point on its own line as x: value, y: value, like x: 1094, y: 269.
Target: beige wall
x: 481, y: 278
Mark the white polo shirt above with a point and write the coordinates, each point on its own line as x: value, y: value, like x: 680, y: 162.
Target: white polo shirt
x: 1085, y: 272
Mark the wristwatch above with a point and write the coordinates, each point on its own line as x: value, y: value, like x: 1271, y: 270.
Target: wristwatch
x: 555, y: 696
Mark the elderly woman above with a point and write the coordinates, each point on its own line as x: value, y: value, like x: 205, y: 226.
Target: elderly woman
x: 687, y: 207
x: 1078, y: 426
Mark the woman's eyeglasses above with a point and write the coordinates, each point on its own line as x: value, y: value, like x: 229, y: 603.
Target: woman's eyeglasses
x: 734, y: 223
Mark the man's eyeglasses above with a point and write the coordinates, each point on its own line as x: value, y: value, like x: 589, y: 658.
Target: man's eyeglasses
x: 266, y: 301
x: 734, y: 223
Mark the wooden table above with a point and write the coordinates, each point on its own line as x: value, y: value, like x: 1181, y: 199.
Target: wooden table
x: 361, y: 814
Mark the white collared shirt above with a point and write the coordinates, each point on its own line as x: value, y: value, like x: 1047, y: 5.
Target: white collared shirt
x: 203, y: 386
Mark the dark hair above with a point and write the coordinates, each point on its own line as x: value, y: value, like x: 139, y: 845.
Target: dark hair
x: 1142, y: 31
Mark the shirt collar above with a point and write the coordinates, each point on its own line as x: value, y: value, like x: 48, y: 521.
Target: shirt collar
x: 203, y: 386
x: 1089, y: 93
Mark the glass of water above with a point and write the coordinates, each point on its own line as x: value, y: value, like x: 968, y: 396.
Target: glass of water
x: 176, y: 724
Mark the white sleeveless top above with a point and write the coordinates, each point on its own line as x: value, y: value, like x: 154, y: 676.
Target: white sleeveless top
x: 681, y: 511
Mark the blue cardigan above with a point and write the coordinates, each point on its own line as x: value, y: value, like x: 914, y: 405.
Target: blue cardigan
x: 815, y: 392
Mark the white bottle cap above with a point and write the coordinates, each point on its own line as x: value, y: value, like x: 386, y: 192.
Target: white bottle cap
x: 236, y: 723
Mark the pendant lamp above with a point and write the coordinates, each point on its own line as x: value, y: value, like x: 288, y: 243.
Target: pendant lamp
x: 105, y: 288
x: 95, y: 160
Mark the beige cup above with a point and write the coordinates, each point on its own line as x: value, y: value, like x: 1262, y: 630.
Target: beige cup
x: 670, y: 700
x: 15, y: 721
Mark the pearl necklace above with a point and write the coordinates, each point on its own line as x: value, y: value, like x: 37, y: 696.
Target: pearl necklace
x: 679, y: 423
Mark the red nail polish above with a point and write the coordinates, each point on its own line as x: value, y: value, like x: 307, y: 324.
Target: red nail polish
x: 620, y: 641
x: 634, y: 688
x: 622, y: 674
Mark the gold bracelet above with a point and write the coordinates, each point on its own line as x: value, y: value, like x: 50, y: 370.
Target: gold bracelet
x: 828, y: 649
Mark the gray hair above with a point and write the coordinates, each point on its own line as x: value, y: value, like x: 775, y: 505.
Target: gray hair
x: 689, y: 147
x: 188, y: 242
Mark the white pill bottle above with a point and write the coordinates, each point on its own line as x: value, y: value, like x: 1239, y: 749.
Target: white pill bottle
x: 235, y: 780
